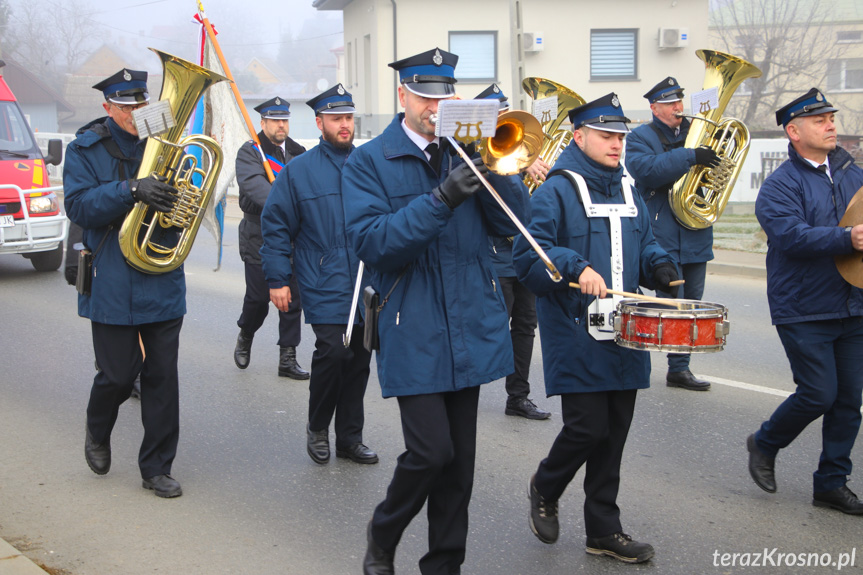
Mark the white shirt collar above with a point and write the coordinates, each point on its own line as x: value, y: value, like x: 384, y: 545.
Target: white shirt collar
x: 419, y: 140
x: 816, y: 164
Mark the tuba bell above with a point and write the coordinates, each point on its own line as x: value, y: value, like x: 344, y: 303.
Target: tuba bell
x: 154, y: 242
x: 555, y: 139
x: 699, y: 197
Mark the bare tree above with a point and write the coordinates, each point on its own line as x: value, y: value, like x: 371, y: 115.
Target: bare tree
x: 791, y: 42
x: 51, y: 37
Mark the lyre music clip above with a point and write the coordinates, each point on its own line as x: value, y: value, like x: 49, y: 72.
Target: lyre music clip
x: 467, y: 120
x: 153, y: 119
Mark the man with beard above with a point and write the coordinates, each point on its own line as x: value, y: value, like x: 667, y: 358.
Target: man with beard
x: 277, y: 149
x: 304, y: 235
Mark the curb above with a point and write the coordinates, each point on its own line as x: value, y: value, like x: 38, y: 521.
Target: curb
x: 12, y: 562
x: 732, y: 269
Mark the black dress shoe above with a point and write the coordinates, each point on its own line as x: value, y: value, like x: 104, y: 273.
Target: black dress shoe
x: 358, y: 453
x: 163, y: 486
x: 377, y: 561
x: 524, y: 407
x: 288, y: 366
x: 760, y: 466
x: 243, y: 349
x: 621, y: 547
x: 98, y: 455
x: 686, y: 380
x: 840, y: 498
x: 542, y: 516
x: 318, y: 445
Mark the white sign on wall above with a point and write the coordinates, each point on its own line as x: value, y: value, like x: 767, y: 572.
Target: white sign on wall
x: 763, y: 158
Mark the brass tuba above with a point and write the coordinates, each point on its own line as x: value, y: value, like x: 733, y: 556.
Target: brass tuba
x: 556, y: 139
x: 699, y: 197
x: 154, y: 242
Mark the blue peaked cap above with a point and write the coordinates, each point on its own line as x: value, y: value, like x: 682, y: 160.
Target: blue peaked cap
x: 336, y: 100
x: 125, y: 87
x: 430, y: 74
x: 602, y: 114
x: 811, y: 103
x: 493, y: 92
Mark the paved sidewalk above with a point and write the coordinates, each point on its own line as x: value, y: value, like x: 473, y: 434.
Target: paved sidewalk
x: 12, y: 562
x: 730, y: 262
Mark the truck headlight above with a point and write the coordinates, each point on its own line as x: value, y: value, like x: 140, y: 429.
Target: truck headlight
x: 44, y: 204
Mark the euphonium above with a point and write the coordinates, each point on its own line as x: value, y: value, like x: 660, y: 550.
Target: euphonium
x: 556, y: 139
x: 699, y: 197
x: 154, y: 242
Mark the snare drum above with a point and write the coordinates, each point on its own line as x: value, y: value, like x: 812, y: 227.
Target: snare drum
x: 688, y: 326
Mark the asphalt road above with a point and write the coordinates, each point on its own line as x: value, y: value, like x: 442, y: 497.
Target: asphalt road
x: 255, y: 503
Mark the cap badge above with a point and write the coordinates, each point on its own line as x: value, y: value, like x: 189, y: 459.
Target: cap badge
x: 614, y: 101
x: 818, y: 96
x: 341, y: 90
x: 278, y: 102
x: 496, y: 89
x: 437, y: 58
x: 126, y: 75
x: 670, y: 82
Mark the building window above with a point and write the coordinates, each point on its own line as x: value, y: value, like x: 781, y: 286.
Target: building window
x: 477, y: 56
x: 849, y: 36
x: 845, y: 74
x: 613, y: 54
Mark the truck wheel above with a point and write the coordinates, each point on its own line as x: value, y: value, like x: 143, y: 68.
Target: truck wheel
x: 47, y: 261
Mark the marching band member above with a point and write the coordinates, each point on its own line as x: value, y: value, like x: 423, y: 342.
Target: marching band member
x: 277, y: 148
x: 304, y: 235
x: 415, y: 218
x: 597, y: 231
x: 520, y: 304
x: 100, y: 190
x: 817, y: 314
x: 656, y: 158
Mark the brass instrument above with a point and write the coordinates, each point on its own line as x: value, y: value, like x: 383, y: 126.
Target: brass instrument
x: 556, y: 139
x: 699, y: 197
x: 520, y: 131
x: 145, y: 231
x: 515, y: 145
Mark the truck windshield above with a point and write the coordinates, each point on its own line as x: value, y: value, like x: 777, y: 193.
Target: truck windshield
x: 14, y: 132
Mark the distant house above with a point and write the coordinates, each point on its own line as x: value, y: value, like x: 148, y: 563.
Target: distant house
x: 42, y: 105
x: 625, y: 46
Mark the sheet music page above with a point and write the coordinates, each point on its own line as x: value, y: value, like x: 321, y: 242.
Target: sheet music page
x: 467, y: 120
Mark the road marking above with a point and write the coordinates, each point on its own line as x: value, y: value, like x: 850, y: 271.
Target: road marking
x: 747, y: 386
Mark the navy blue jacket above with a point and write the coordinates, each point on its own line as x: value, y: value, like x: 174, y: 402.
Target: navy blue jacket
x: 445, y: 326
x: 95, y: 197
x: 303, y: 220
x: 799, y: 208
x: 656, y: 170
x: 573, y: 361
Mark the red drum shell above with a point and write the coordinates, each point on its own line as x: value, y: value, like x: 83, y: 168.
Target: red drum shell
x: 687, y: 326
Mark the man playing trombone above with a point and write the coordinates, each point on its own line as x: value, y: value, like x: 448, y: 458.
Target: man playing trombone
x: 419, y: 221
x: 303, y: 220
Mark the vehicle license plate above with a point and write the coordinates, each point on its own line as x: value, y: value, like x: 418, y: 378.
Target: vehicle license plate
x: 7, y: 221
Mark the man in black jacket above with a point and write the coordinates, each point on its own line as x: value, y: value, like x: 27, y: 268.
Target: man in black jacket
x: 276, y: 149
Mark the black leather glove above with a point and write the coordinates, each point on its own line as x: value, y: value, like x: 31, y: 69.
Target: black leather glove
x: 705, y: 156
x: 158, y: 195
x: 664, y: 274
x: 460, y: 184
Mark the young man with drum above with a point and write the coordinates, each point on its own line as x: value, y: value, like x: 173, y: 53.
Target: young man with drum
x: 597, y: 232
x: 817, y: 313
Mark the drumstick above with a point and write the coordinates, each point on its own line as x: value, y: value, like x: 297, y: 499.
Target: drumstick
x: 665, y: 301
x: 676, y: 283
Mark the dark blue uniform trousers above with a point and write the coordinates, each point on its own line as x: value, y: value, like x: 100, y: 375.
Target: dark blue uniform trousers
x: 338, y: 383
x: 521, y: 308
x: 256, y: 305
x: 825, y: 359
x: 693, y: 288
x: 595, y: 427
x: 438, y: 466
x: 118, y: 355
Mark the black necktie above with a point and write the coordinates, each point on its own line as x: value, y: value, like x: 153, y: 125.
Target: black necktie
x: 280, y: 154
x: 434, y: 156
x: 823, y: 168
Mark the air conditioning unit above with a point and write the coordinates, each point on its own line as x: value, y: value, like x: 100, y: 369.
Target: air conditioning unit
x: 673, y: 37
x: 532, y: 41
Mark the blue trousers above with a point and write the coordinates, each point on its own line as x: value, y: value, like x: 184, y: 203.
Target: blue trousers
x: 825, y: 359
x: 693, y: 288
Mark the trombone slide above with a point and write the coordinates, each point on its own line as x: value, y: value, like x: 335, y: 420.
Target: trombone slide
x: 346, y: 339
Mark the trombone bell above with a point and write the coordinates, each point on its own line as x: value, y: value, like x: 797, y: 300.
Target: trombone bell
x: 515, y: 145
